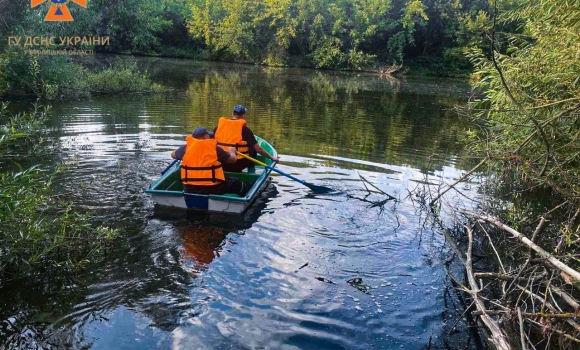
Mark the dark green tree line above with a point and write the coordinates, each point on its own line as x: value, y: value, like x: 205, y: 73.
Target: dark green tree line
x: 346, y: 34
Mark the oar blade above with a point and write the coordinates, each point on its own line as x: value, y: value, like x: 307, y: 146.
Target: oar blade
x: 318, y: 189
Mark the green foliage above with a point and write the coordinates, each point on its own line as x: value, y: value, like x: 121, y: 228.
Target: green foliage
x: 328, y: 53
x: 343, y: 34
x: 414, y: 14
x: 57, y: 77
x: 37, y: 233
x: 123, y: 76
x: 133, y: 25
x: 541, y: 67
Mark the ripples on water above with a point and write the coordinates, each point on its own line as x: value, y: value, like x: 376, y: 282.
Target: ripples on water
x: 276, y: 277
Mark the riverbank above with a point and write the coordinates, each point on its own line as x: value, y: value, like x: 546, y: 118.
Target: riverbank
x: 519, y: 249
x: 428, y: 66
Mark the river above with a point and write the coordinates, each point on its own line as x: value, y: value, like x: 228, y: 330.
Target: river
x: 299, y: 270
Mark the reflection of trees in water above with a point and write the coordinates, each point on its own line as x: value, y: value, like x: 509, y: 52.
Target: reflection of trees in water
x: 355, y: 115
x: 362, y: 115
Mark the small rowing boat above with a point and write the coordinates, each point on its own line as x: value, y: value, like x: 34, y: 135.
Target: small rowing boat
x: 168, y: 191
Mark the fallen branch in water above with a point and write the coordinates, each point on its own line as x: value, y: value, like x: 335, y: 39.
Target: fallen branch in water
x: 393, y: 69
x: 458, y: 181
x: 541, y: 252
x: 378, y: 203
x: 498, y: 337
x: 375, y: 187
x: 534, y: 300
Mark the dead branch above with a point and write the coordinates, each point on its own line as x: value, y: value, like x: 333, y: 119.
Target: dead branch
x: 375, y: 187
x: 498, y: 337
x: 392, y: 69
x: 541, y: 252
x: 505, y: 277
x: 494, y: 250
x: 527, y: 314
x: 550, y: 307
x: 490, y: 312
x: 566, y: 297
x: 565, y: 335
x: 539, y: 228
x: 522, y: 333
x: 458, y: 181
x: 572, y: 221
x: 547, y: 315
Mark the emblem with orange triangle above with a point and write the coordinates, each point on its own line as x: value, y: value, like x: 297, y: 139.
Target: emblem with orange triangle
x: 58, y: 10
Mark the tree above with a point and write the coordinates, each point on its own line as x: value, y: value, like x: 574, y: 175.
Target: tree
x: 532, y: 94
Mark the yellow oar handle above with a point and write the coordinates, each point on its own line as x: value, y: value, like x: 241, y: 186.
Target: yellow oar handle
x: 319, y: 189
x: 252, y: 159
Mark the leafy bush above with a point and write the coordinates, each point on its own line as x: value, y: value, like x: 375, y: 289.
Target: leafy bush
x: 122, y: 76
x: 534, y: 125
x: 38, y: 233
x: 58, y: 78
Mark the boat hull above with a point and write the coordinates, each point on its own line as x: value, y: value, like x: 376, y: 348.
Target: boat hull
x: 168, y: 190
x: 211, y: 203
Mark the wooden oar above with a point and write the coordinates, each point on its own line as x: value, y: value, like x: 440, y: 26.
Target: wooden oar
x: 318, y: 189
x: 169, y: 166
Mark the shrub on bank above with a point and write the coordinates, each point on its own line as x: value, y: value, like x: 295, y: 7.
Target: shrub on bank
x: 123, y: 76
x: 38, y: 234
x: 59, y: 78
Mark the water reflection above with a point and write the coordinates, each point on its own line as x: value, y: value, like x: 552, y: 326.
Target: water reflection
x: 203, y: 235
x: 177, y: 280
x: 303, y: 112
x: 201, y: 244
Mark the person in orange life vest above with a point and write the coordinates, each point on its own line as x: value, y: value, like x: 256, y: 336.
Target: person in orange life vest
x: 235, y: 132
x: 201, y: 166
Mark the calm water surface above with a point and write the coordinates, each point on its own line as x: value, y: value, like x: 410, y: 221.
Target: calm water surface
x: 298, y: 271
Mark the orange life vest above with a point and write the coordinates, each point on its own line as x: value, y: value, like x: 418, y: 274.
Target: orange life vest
x: 229, y: 134
x: 200, y: 165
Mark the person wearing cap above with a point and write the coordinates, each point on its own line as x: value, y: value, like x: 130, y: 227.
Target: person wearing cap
x: 202, y: 166
x: 234, y: 132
